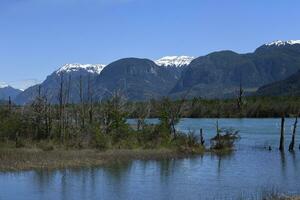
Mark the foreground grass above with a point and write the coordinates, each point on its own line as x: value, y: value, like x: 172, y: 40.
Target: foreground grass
x: 26, y: 159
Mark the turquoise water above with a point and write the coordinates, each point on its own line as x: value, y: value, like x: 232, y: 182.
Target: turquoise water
x: 248, y: 172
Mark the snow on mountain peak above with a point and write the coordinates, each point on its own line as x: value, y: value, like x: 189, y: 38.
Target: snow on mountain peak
x: 3, y: 85
x: 92, y: 68
x: 177, y: 61
x: 282, y: 43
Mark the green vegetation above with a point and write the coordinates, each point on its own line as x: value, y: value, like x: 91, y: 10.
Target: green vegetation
x: 251, y: 107
x: 102, y: 126
x: 93, y: 126
x: 66, y: 135
x: 35, y: 158
x: 224, y: 140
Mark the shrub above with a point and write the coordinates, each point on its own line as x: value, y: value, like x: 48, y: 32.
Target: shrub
x: 102, y: 140
x: 20, y: 144
x: 224, y: 139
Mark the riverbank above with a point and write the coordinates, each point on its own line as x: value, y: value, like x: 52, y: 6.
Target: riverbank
x: 282, y: 198
x: 28, y: 159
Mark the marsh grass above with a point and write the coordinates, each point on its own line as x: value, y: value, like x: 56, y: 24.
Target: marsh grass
x: 26, y: 159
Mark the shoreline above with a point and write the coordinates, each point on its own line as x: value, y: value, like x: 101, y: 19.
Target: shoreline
x: 24, y: 159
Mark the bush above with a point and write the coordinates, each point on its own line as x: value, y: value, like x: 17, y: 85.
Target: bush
x: 48, y: 147
x: 226, y: 140
x: 20, y: 144
x: 102, y: 140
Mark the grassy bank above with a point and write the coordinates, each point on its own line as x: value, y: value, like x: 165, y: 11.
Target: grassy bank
x: 26, y: 159
x: 280, y: 197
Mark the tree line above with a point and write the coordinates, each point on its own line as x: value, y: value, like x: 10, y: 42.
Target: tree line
x: 103, y: 123
x: 93, y: 124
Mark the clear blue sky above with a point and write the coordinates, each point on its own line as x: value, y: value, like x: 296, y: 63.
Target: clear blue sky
x: 37, y: 36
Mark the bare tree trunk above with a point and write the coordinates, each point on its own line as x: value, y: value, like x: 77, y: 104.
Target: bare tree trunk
x: 69, y: 90
x: 90, y: 100
x: 38, y: 107
x: 202, y: 141
x: 173, y: 129
x: 9, y: 104
x: 66, y: 101
x: 292, y: 144
x: 48, y: 119
x: 218, y: 131
x: 240, y: 97
x: 281, y: 145
x: 61, y: 108
x: 82, y: 112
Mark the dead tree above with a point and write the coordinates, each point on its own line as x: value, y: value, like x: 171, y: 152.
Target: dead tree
x: 202, y: 141
x: 61, y: 108
x: 292, y: 144
x: 281, y: 145
x: 66, y: 103
x: 82, y: 103
x: 68, y: 90
x: 217, y: 129
x: 48, y: 119
x: 240, y: 96
x: 41, y: 117
x: 90, y: 100
x: 143, y: 111
x: 9, y: 105
x: 170, y: 114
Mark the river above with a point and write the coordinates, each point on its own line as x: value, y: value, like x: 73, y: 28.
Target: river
x: 246, y: 173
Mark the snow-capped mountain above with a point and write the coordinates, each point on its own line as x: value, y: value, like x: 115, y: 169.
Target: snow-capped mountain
x: 174, y: 61
x: 212, y: 76
x: 87, y: 73
x: 7, y: 91
x: 91, y: 68
x: 282, y: 43
x: 3, y: 85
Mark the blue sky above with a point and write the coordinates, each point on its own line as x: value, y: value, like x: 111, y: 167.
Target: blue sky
x: 38, y: 36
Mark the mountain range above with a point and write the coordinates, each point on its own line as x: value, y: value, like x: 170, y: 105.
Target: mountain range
x: 219, y: 74
x: 7, y: 91
x: 216, y: 75
x: 287, y: 87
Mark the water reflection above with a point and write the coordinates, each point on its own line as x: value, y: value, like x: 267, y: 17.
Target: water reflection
x: 283, y: 163
x: 42, y: 178
x: 294, y: 160
x: 225, y: 176
x: 198, y: 176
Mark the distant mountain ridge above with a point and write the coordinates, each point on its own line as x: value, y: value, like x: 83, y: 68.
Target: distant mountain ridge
x: 216, y: 75
x: 138, y: 79
x: 7, y: 91
x: 287, y: 87
x: 174, y: 61
x: 91, y: 68
x: 283, y: 43
x: 72, y: 77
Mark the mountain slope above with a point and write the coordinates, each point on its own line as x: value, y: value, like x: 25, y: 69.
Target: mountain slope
x: 219, y: 74
x: 216, y: 75
x: 286, y: 87
x: 73, y: 77
x: 137, y: 79
x: 175, y: 64
x: 174, y: 61
x: 8, y: 91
